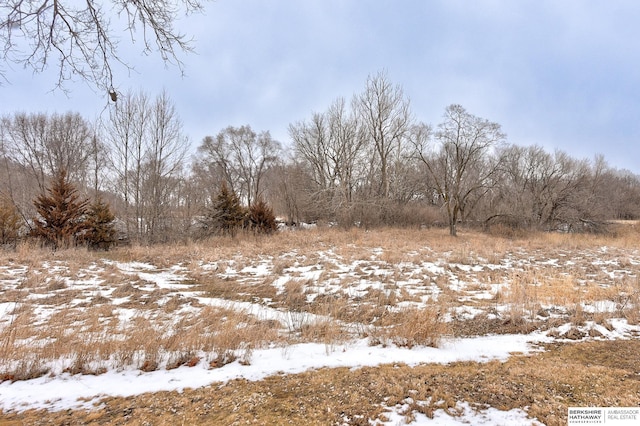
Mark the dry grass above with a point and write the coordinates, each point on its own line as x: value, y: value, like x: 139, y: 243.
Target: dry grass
x: 410, y: 327
x: 92, y: 339
x: 584, y: 374
x: 393, y: 286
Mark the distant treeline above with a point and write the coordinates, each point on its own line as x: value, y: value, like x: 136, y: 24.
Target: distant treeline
x: 364, y: 162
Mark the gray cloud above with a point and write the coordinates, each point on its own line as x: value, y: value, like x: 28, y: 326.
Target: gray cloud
x: 559, y: 74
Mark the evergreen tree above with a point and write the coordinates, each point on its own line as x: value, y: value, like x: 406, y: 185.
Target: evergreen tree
x: 226, y: 215
x: 100, y: 233
x: 61, y: 214
x: 261, y: 218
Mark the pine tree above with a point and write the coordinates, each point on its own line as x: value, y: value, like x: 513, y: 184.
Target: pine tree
x: 226, y: 215
x: 100, y: 233
x: 261, y: 218
x: 61, y: 214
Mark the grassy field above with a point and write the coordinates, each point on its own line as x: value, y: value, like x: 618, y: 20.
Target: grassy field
x: 218, y: 303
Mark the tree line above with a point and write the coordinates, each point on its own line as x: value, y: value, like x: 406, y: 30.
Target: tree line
x: 366, y: 161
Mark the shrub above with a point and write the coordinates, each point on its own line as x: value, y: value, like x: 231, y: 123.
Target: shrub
x: 100, y: 233
x: 226, y: 215
x: 61, y: 214
x: 261, y: 218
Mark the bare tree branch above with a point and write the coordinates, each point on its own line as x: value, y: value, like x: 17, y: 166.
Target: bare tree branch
x: 460, y: 166
x: 78, y: 35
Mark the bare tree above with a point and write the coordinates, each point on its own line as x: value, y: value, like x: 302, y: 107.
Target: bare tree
x: 332, y: 146
x: 44, y: 145
x: 147, y: 153
x: 544, y: 190
x: 348, y: 142
x: 126, y: 135
x: 80, y: 39
x: 459, y: 166
x: 289, y: 183
x: 215, y: 165
x: 384, y: 112
x: 37, y: 147
x: 622, y: 189
x: 25, y: 140
x: 311, y: 144
x: 242, y: 158
x: 205, y: 177
x: 559, y: 179
x: 190, y: 193
x: 16, y: 187
x: 71, y: 147
x: 99, y: 160
x: 163, y: 161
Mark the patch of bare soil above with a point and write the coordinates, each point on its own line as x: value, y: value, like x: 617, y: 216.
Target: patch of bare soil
x: 595, y: 373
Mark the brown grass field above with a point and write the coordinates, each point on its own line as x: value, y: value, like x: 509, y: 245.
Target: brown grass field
x: 81, y: 312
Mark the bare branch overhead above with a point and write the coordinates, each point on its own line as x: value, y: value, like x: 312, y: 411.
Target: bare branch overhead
x: 79, y: 38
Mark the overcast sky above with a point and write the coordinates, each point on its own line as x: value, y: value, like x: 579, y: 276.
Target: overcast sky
x: 560, y: 74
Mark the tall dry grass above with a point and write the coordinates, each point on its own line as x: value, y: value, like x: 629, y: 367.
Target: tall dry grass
x: 54, y: 325
x: 81, y: 342
x: 409, y: 327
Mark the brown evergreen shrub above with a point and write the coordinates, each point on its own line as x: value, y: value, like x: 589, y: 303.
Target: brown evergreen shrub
x: 226, y: 215
x: 100, y: 233
x: 261, y: 218
x: 61, y: 214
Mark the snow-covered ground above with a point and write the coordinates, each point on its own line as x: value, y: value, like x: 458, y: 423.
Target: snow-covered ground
x: 466, y: 415
x: 65, y: 391
x: 477, y: 287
